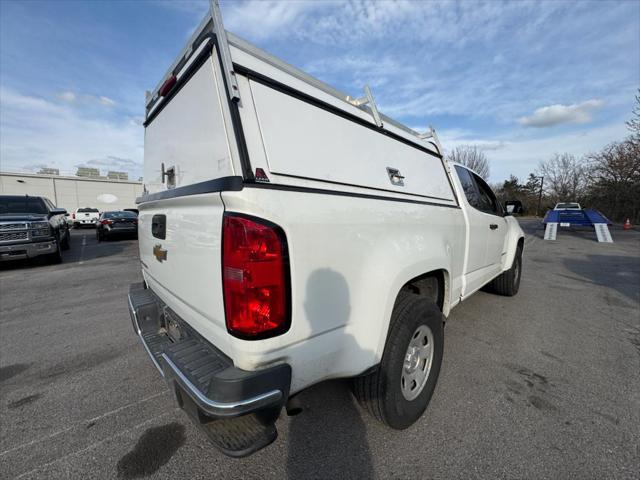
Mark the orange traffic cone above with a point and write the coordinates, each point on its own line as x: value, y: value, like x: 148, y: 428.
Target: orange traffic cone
x: 627, y: 225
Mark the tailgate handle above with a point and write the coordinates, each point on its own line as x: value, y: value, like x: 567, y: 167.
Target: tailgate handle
x: 159, y: 226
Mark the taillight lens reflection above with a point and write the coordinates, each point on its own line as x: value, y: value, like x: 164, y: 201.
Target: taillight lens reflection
x: 255, y: 275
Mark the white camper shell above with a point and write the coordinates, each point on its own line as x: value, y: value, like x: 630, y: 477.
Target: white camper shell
x: 291, y: 234
x: 278, y: 105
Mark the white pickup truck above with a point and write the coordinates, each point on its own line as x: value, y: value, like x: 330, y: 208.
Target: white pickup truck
x: 85, y: 216
x: 290, y: 234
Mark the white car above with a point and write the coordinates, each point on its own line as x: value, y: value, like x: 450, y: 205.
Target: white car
x: 85, y: 216
x: 298, y: 235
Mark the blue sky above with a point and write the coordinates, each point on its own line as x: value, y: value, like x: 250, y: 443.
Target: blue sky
x: 522, y: 80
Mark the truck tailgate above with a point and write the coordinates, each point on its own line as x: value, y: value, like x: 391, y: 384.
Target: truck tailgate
x: 183, y: 268
x: 189, y: 142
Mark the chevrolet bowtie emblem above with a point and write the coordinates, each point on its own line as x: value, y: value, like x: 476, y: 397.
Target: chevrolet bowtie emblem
x: 159, y: 253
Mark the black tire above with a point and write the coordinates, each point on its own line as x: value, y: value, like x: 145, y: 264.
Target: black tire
x: 380, y: 392
x: 508, y: 283
x: 66, y: 243
x: 98, y: 235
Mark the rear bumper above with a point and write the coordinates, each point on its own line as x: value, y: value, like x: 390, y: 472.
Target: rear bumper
x: 121, y: 230
x: 236, y: 408
x: 26, y: 250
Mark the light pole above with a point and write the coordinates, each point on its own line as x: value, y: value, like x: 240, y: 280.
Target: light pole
x: 539, y: 195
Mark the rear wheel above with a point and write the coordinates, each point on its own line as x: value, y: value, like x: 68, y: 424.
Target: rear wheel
x: 98, y: 235
x: 508, y: 283
x: 56, y: 257
x: 398, y: 392
x: 66, y: 243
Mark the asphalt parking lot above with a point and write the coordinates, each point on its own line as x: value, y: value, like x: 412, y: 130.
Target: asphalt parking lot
x: 542, y: 385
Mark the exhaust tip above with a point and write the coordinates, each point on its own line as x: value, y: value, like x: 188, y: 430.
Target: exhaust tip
x: 293, y: 406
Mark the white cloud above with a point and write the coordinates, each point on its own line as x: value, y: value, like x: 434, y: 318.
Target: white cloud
x: 106, y: 101
x: 259, y: 19
x: 335, y: 22
x: 63, y: 137
x: 520, y: 155
x: 86, y: 99
x: 452, y: 138
x: 556, y: 114
x: 67, y: 96
x: 425, y: 59
x: 112, y: 162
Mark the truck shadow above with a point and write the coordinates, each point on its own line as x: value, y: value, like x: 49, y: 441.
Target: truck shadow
x: 329, y: 438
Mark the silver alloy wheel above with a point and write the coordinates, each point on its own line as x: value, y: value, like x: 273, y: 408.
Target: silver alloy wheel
x: 417, y: 363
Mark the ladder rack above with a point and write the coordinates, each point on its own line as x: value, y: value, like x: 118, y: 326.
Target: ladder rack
x: 212, y: 24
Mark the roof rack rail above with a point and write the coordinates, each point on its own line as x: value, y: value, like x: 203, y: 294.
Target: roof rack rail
x: 225, y: 53
x: 367, y: 100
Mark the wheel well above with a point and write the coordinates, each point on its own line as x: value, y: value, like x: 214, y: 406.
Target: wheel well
x: 431, y: 285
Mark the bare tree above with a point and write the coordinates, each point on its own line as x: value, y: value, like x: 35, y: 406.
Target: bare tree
x: 615, y: 180
x: 634, y: 124
x: 471, y: 156
x: 564, y: 177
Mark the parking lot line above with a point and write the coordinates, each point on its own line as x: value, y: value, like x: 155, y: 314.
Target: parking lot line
x: 84, y: 244
x: 94, y: 419
x: 98, y: 443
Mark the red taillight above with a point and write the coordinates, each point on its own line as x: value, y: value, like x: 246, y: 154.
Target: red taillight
x: 167, y: 86
x: 255, y: 277
x: 73, y: 216
x: 106, y: 222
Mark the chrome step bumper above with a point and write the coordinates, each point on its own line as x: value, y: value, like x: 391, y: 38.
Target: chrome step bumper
x: 236, y: 408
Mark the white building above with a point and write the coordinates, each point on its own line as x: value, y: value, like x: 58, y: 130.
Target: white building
x: 73, y: 192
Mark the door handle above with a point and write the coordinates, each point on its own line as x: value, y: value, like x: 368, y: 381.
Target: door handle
x: 493, y: 226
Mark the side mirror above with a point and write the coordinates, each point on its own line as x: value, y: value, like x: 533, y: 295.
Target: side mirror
x: 513, y: 207
x: 57, y: 211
